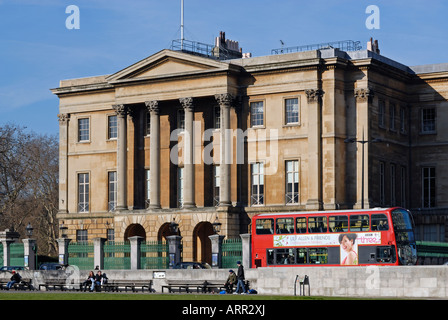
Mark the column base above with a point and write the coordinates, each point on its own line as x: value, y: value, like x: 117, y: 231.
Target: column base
x: 314, y: 204
x: 188, y: 205
x: 154, y: 206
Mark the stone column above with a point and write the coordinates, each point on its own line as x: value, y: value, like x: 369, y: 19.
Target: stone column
x: 363, y: 98
x: 175, y: 250
x: 225, y: 103
x: 246, y: 259
x: 188, y: 150
x: 135, y: 252
x: 314, y: 97
x: 98, y: 252
x: 216, y: 240
x: 63, y: 162
x: 29, y: 252
x: 122, y: 185
x: 154, y: 154
x: 63, y: 250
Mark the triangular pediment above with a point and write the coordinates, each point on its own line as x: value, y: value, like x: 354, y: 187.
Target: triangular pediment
x: 167, y: 63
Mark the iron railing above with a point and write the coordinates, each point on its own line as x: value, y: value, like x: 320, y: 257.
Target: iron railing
x: 344, y: 45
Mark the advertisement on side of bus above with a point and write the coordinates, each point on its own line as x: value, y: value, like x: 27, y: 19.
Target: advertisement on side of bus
x: 348, y: 243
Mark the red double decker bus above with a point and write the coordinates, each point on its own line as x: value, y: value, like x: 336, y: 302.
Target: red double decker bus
x: 380, y: 236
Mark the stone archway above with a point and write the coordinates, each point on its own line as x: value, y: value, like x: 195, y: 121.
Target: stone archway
x: 165, y: 231
x: 202, y: 245
x: 133, y: 230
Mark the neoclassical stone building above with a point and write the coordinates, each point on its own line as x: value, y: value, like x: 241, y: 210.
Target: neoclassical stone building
x: 193, y: 138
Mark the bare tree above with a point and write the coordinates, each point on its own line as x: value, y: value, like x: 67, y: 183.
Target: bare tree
x: 29, y: 184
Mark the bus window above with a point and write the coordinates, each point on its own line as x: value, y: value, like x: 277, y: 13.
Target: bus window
x: 270, y: 256
x: 379, y: 222
x: 284, y: 256
x: 301, y: 225
x: 318, y: 255
x: 359, y: 222
x: 317, y: 224
x: 264, y: 226
x: 302, y: 255
x: 338, y: 223
x: 284, y: 225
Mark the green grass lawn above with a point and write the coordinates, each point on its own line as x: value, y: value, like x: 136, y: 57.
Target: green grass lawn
x: 18, y: 295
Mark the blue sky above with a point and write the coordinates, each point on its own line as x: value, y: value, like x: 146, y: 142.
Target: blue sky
x: 37, y: 50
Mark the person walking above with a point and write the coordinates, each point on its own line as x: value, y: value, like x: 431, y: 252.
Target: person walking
x: 240, y: 278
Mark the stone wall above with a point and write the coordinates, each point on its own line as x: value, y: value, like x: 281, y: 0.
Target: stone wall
x: 373, y: 281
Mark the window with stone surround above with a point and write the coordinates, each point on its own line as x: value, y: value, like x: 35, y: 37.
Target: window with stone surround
x: 257, y: 114
x: 292, y: 111
x: 257, y: 184
x: 83, y: 192
x: 83, y: 129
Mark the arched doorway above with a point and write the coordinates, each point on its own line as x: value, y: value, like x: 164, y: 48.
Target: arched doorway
x: 202, y: 246
x: 133, y: 230
x: 165, y: 231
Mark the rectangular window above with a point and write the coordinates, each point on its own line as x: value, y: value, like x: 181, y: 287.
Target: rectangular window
x: 147, y: 188
x: 379, y: 222
x: 216, y: 184
x: 381, y: 113
x: 257, y: 114
x: 429, y: 187
x: 318, y: 255
x: 257, y: 192
x: 402, y: 120
x: 81, y: 236
x: 181, y: 119
x: 317, y: 224
x: 301, y: 225
x: 110, y: 235
x: 359, y: 222
x: 180, y: 187
x: 338, y: 223
x: 112, y: 127
x: 284, y: 225
x: 382, y: 186
x: 428, y: 120
x: 147, y: 124
x: 392, y: 117
x: 292, y: 181
x: 83, y: 129
x: 112, y: 178
x: 393, y: 199
x: 403, y: 187
x: 264, y: 226
x: 284, y: 256
x: 292, y: 111
x: 217, y: 117
x: 83, y: 192
x: 302, y: 255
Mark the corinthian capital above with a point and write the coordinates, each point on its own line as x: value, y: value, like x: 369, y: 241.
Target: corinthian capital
x: 120, y: 109
x: 363, y: 94
x: 313, y: 95
x: 224, y: 99
x: 63, y: 118
x: 152, y: 106
x: 187, y: 103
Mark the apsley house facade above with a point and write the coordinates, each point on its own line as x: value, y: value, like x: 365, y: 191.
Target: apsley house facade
x: 200, y: 138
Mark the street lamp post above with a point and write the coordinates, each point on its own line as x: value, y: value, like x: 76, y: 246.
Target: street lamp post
x: 362, y: 142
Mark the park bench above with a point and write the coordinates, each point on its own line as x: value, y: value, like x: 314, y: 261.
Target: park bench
x: 24, y: 284
x: 133, y: 285
x: 213, y: 286
x: 56, y: 284
x: 185, y: 285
